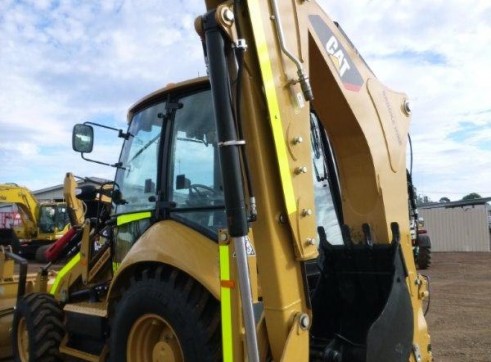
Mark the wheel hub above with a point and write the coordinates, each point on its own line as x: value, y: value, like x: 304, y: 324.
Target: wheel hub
x: 151, y: 338
x: 23, y: 340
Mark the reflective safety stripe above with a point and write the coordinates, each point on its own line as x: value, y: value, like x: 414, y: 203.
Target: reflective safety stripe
x: 226, y: 304
x: 63, y: 272
x: 273, y: 107
x: 126, y: 218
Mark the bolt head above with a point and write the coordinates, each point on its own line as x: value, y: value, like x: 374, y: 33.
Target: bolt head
x: 406, y: 108
x: 300, y: 170
x: 306, y: 212
x: 310, y: 241
x: 297, y: 140
x: 228, y: 15
x: 223, y: 236
x: 304, y: 321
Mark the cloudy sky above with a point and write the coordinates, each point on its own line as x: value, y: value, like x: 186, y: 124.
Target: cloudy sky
x: 68, y: 61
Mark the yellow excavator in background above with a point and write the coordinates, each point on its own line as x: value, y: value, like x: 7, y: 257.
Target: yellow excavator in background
x: 259, y: 214
x: 41, y: 223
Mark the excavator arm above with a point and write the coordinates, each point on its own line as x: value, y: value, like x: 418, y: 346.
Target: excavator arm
x: 27, y: 205
x: 281, y: 61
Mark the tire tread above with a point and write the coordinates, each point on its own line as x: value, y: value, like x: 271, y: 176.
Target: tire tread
x: 44, y: 324
x: 189, y: 302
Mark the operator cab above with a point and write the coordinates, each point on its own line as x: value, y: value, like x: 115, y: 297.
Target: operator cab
x: 177, y: 132
x: 169, y: 166
x: 53, y: 218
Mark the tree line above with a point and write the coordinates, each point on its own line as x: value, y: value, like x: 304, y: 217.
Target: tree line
x: 423, y: 199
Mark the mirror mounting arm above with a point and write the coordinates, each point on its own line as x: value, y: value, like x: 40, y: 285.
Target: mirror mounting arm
x: 117, y: 164
x: 124, y: 135
x: 121, y: 134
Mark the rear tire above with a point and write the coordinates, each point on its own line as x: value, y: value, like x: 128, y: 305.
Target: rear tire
x: 37, y: 329
x: 424, y: 257
x: 165, y: 315
x: 39, y: 257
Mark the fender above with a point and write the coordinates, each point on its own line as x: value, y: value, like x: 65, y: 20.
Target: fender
x: 171, y: 243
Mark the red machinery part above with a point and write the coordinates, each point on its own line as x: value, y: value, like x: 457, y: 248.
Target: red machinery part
x: 54, y: 251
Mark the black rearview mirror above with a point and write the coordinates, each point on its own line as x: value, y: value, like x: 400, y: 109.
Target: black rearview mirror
x: 82, y: 138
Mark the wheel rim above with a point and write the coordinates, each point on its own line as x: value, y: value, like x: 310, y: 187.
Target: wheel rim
x: 151, y: 338
x: 23, y: 340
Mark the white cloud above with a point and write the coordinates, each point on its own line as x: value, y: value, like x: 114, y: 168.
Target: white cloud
x: 70, y: 61
x: 438, y: 52
x: 63, y: 62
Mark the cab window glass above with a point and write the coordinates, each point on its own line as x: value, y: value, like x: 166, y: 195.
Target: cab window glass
x: 137, y: 177
x: 47, y: 218
x: 195, y: 183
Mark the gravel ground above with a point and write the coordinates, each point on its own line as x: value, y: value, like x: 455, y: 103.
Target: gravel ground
x: 459, y: 318
x: 460, y: 312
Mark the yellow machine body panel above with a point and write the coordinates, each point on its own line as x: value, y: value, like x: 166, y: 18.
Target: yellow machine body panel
x: 171, y: 243
x: 8, y: 297
x: 75, y: 206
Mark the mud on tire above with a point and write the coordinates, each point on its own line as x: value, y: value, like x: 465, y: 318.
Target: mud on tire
x: 37, y: 329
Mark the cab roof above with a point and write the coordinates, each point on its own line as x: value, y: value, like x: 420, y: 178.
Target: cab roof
x: 161, y: 93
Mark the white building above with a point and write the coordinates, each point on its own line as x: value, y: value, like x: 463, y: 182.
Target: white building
x: 459, y: 225
x: 55, y: 193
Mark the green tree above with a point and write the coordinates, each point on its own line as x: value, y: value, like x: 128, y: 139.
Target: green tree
x: 444, y: 199
x: 471, y: 196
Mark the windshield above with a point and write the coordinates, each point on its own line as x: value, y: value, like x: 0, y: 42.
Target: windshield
x: 61, y: 217
x: 47, y: 218
x: 137, y: 177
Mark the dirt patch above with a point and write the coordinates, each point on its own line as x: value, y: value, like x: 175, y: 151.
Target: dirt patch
x: 460, y: 311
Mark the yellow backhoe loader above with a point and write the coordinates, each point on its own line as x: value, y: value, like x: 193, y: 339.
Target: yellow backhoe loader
x: 260, y: 214
x: 86, y: 205
x: 41, y: 223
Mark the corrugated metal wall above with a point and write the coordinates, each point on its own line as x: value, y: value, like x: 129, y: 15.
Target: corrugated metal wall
x: 458, y: 228
x: 50, y: 195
